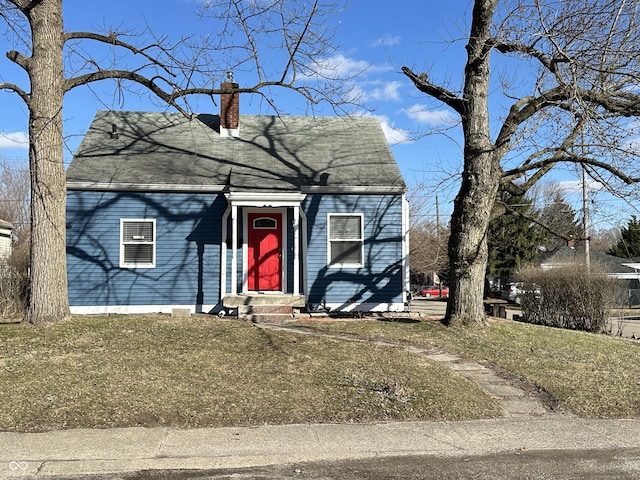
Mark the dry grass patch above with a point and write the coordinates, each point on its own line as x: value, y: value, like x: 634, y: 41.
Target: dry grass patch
x: 117, y: 371
x: 594, y: 376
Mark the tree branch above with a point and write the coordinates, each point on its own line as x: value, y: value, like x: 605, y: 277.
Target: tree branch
x: 533, y: 219
x: 299, y: 41
x: 23, y: 5
x: 169, y: 98
x: 550, y: 63
x: 112, y: 39
x: 508, y: 178
x: 439, y: 93
x: 568, y: 157
x: 19, y: 59
x: 150, y: 83
x: 16, y: 89
x: 524, y: 109
x: 622, y: 103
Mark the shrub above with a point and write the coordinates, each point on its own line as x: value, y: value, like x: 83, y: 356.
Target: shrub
x: 14, y: 282
x: 568, y: 297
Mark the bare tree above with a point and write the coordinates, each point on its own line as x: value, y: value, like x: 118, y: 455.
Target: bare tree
x: 573, y: 103
x: 427, y: 248
x: 427, y: 251
x: 603, y: 240
x: 14, y: 208
x: 57, y: 61
x: 14, y: 197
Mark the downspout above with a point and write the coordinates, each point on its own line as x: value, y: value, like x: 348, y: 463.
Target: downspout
x: 406, y: 272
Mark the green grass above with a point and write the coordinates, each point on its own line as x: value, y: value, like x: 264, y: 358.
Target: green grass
x: 593, y: 376
x: 117, y: 371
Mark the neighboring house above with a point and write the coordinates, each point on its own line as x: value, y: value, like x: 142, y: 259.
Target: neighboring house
x: 615, y: 267
x: 6, y: 239
x: 219, y: 212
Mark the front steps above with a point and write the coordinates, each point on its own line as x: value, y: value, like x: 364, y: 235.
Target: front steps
x: 265, y: 308
x: 266, y: 313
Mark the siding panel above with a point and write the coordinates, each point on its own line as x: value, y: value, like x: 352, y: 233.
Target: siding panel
x: 187, y: 249
x: 379, y: 281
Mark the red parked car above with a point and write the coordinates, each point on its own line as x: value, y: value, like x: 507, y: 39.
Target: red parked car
x: 434, y: 291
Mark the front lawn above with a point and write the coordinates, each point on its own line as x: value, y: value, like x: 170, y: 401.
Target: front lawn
x: 594, y: 376
x: 118, y: 371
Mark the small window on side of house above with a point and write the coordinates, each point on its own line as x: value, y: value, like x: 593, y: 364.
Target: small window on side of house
x: 346, y: 240
x: 137, y: 243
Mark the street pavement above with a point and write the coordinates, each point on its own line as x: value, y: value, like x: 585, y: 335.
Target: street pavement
x: 65, y: 454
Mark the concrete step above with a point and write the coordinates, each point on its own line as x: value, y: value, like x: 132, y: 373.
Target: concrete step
x: 276, y: 318
x: 266, y: 313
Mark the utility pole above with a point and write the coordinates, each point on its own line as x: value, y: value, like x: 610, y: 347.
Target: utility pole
x: 438, y: 240
x: 585, y: 219
x: 438, y: 220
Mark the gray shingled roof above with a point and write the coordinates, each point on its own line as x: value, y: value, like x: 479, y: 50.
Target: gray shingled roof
x: 566, y: 255
x: 271, y: 153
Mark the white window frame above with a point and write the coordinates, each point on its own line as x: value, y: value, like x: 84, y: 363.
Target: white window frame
x: 124, y: 264
x: 330, y: 262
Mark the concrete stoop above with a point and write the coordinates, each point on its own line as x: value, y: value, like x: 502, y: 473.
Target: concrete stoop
x: 266, y: 313
x: 265, y: 308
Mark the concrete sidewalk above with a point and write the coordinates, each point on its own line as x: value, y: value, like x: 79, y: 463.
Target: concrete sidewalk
x: 73, y: 452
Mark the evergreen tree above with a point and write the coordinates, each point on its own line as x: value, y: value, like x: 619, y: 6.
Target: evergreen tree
x: 560, y: 218
x: 629, y: 244
x: 513, y: 239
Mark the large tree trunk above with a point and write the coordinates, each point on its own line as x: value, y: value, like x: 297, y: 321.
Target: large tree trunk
x: 48, y: 299
x: 480, y: 180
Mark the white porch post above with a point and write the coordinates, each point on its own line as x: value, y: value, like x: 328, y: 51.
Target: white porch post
x: 296, y: 250
x: 234, y: 250
x: 303, y: 250
x: 223, y: 254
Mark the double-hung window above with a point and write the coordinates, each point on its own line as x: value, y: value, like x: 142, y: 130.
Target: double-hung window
x: 346, y: 240
x: 137, y: 243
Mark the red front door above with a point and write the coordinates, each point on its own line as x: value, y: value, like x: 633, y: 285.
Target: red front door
x: 264, y: 262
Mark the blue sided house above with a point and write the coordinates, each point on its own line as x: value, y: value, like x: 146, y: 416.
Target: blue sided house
x: 222, y: 213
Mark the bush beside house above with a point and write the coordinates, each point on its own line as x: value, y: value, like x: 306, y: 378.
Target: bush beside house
x: 566, y: 297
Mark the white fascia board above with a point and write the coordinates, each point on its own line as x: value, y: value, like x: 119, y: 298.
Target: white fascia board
x: 354, y: 189
x: 265, y: 199
x: 215, y: 188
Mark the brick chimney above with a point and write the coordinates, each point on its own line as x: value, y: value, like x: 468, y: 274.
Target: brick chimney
x: 229, y: 108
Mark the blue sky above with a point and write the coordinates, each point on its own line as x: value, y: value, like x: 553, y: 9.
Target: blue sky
x: 380, y: 36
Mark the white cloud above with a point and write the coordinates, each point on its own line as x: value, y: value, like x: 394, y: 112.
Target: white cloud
x: 422, y: 114
x: 339, y: 66
x: 388, y: 91
x: 387, y: 41
x: 355, y: 73
x: 574, y: 187
x: 634, y: 145
x: 18, y: 140
x: 393, y: 135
